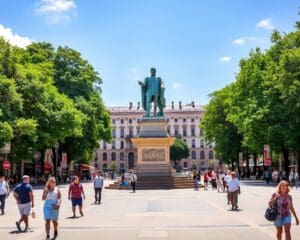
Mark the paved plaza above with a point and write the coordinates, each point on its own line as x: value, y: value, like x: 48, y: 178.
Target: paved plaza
x: 157, y: 214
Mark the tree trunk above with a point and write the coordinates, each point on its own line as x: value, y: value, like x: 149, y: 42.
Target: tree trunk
x: 286, y: 161
x: 255, y: 163
x: 247, y: 165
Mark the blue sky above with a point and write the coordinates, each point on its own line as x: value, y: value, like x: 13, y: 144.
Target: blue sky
x: 195, y: 45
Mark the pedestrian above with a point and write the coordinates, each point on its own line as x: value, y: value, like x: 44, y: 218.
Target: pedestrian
x: 206, y: 179
x: 98, y: 186
x: 234, y: 190
x: 267, y: 175
x: 213, y: 179
x: 76, y: 193
x: 293, y: 177
x: 220, y: 182
x: 133, y: 180
x: 284, y: 203
x: 4, y: 193
x: 226, y: 180
x: 52, y: 198
x: 196, y: 181
x: 275, y: 176
x: 25, y: 200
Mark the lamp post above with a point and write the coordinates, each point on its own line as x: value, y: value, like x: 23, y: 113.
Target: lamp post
x: 56, y: 160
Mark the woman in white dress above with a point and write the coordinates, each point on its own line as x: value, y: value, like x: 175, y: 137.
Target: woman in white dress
x: 52, y: 198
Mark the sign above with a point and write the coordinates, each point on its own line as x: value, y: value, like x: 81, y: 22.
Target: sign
x: 6, y: 148
x: 64, y: 160
x: 6, y: 165
x: 267, y: 155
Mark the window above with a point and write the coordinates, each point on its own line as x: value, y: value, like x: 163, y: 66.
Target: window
x: 122, y: 121
x: 185, y: 164
x: 122, y: 166
x: 113, y: 121
x: 113, y: 156
x: 104, y: 156
x: 138, y: 120
x: 202, y: 155
x: 192, y: 120
x: 194, y: 155
x: 184, y: 131
x: 193, y: 131
x: 138, y: 130
x: 210, y: 145
x: 184, y: 120
x: 130, y: 121
x: 176, y: 131
x: 114, y: 133
x: 193, y: 143
x: 169, y: 130
x: 122, y: 156
x: 104, y: 145
x: 211, y: 155
x: 201, y: 132
x: 113, y: 145
x: 122, y: 133
x: 202, y: 143
x: 130, y: 132
x: 104, y: 166
x: 176, y: 120
x: 122, y: 145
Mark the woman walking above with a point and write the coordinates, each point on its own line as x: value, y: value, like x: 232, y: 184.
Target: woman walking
x: 52, y: 198
x: 284, y: 203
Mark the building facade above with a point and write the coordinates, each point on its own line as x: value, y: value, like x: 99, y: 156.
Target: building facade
x: 183, y: 122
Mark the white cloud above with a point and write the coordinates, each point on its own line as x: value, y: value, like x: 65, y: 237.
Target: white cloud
x: 265, y: 24
x: 176, y: 85
x: 225, y: 59
x: 13, y: 38
x: 56, y: 11
x: 244, y: 40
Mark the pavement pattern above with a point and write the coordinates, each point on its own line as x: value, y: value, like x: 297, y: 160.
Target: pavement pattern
x: 156, y: 214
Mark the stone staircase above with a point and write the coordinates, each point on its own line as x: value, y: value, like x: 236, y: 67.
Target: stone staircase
x: 157, y: 182
x: 154, y: 170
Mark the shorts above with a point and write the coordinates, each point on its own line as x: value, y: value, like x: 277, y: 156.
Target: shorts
x: 205, y: 181
x: 76, y: 201
x: 281, y: 221
x: 25, y: 208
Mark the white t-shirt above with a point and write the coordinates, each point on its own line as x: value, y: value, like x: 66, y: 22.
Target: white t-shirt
x: 133, y: 178
x: 3, y: 188
x: 227, y: 178
x: 98, y: 182
x: 233, y: 185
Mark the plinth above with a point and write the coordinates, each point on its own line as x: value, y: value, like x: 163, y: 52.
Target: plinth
x: 153, y: 145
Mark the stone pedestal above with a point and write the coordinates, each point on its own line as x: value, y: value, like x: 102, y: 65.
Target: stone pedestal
x: 153, y: 144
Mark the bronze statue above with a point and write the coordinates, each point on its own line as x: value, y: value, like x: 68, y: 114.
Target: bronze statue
x: 153, y: 90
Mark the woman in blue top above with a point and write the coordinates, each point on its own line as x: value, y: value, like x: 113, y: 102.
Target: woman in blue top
x: 52, y: 198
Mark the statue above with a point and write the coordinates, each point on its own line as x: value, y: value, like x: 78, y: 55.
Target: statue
x: 153, y: 90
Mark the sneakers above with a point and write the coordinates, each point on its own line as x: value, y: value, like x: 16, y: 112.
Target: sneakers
x: 18, y: 226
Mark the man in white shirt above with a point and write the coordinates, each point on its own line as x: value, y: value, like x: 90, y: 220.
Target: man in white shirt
x: 234, y: 190
x: 226, y: 180
x: 4, y: 191
x: 133, y: 179
x: 98, y: 186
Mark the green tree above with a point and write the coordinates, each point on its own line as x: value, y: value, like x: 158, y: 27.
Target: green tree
x: 178, y: 150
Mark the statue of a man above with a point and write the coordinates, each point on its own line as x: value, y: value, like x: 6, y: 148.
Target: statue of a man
x: 153, y: 90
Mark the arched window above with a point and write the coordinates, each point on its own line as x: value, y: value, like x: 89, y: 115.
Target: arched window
x: 122, y: 145
x: 122, y: 156
x: 193, y: 131
x: 211, y: 155
x: 201, y: 132
x: 193, y: 155
x: 202, y: 155
x: 104, y: 145
x: 122, y: 166
x: 113, y: 145
x: 104, y: 156
x: 185, y: 164
x: 193, y: 143
x: 202, y: 143
x: 113, y: 156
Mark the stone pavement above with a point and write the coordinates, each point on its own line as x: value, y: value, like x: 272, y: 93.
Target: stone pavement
x: 157, y: 214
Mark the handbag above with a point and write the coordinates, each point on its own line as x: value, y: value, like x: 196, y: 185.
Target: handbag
x: 272, y: 212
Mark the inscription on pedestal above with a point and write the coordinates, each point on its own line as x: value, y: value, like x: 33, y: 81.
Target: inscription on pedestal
x: 153, y: 155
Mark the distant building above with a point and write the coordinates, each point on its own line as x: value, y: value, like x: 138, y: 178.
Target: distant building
x: 184, y: 120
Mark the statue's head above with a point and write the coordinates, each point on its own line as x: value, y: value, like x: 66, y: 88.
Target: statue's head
x: 153, y: 71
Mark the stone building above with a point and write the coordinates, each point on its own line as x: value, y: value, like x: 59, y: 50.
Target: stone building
x: 183, y: 123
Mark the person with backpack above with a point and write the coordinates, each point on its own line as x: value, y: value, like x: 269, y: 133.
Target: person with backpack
x: 283, y: 201
x: 76, y: 193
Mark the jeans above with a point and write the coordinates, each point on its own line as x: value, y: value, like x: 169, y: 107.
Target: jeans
x: 133, y: 186
x: 98, y: 192
x: 2, y: 201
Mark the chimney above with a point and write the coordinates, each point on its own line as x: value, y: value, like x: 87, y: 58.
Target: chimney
x: 180, y: 107
x: 130, y: 105
x: 139, y: 105
x: 193, y: 104
x: 172, y: 104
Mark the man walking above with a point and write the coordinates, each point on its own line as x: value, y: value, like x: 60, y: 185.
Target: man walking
x: 234, y: 190
x: 98, y: 186
x: 4, y: 192
x: 133, y: 179
x: 75, y: 195
x: 24, y: 197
